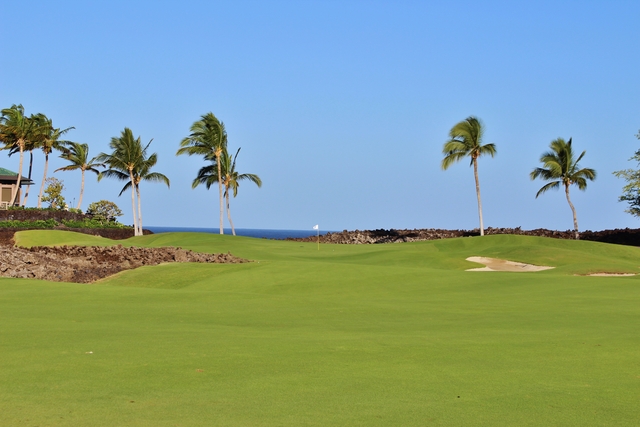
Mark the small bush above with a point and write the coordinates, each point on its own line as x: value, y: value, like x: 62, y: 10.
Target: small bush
x: 104, y: 211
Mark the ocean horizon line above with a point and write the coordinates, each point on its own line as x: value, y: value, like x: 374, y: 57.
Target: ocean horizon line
x: 261, y: 233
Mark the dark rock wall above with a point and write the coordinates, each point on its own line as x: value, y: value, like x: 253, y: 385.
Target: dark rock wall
x: 44, y: 214
x: 625, y: 236
x: 39, y: 214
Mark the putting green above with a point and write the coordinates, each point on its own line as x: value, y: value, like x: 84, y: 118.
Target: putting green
x: 370, y: 335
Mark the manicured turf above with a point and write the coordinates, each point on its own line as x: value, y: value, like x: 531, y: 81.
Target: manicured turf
x: 371, y: 335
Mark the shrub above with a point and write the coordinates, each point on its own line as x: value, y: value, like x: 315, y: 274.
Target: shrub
x: 104, y: 211
x: 53, y: 194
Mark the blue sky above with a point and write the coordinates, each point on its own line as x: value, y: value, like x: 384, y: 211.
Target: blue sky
x: 341, y: 107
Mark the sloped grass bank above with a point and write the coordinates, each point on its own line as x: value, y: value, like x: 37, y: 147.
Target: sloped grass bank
x: 381, y: 335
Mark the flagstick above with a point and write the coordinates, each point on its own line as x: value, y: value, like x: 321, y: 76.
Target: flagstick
x: 318, y: 236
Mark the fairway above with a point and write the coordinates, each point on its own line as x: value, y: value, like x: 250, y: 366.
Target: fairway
x: 347, y: 335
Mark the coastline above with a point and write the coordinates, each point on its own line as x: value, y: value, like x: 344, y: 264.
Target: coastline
x: 259, y: 233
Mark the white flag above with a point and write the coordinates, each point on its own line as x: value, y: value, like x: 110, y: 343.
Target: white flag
x: 315, y: 227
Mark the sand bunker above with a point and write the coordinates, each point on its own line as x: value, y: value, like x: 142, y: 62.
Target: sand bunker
x: 494, y: 264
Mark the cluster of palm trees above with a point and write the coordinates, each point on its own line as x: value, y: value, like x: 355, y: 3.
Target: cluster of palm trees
x: 560, y: 165
x: 129, y: 160
x: 20, y: 134
x: 77, y: 155
x: 208, y: 138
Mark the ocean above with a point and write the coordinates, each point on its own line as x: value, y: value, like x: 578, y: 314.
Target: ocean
x: 247, y: 232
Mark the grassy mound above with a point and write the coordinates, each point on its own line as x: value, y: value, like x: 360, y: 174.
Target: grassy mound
x: 31, y: 238
x: 371, y: 335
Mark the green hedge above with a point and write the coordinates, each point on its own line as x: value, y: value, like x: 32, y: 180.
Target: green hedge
x: 92, y: 223
x: 49, y: 223
x: 52, y: 223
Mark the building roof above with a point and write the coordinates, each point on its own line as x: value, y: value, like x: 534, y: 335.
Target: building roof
x: 10, y: 177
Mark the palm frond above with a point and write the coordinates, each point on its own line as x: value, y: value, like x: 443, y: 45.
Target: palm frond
x: 550, y: 186
x: 207, y: 175
x: 156, y: 177
x: 454, y: 146
x: 125, y: 188
x: 489, y: 149
x: 113, y: 173
x: 451, y: 158
x: 68, y: 168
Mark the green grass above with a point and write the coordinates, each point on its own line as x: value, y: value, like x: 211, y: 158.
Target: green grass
x: 371, y: 335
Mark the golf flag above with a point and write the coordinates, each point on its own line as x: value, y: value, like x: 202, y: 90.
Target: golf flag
x: 315, y: 227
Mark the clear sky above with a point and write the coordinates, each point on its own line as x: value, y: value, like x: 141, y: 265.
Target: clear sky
x: 341, y: 107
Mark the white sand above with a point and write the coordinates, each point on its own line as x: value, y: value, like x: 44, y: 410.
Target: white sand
x: 494, y: 264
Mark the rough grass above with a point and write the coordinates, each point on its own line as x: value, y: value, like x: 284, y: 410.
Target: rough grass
x: 376, y: 335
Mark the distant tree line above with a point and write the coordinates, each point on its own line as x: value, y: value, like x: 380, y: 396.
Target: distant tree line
x: 131, y: 162
x: 128, y: 161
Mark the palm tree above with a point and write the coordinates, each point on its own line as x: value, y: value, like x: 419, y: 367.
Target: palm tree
x: 16, y: 132
x: 232, y: 182
x: 48, y: 140
x: 561, y: 167
x: 207, y: 175
x: 78, y: 155
x: 143, y: 174
x: 29, y: 146
x: 129, y: 162
x: 465, y: 139
x: 208, y: 138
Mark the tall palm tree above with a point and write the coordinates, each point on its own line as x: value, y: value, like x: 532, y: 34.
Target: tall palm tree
x: 465, y: 140
x: 232, y: 181
x: 143, y: 174
x: 125, y: 158
x: 129, y: 162
x: 208, y: 175
x: 16, y: 132
x: 208, y: 138
x: 561, y: 167
x: 48, y: 140
x: 78, y: 155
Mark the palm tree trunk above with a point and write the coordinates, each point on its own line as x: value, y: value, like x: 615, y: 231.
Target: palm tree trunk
x: 233, y: 230
x: 220, y: 190
x: 475, y: 174
x: 133, y: 205
x: 15, y: 190
x: 139, y: 212
x: 44, y: 178
x: 573, y: 209
x: 26, y: 193
x: 81, y: 190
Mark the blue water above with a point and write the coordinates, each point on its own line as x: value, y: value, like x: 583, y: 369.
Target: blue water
x: 247, y: 232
